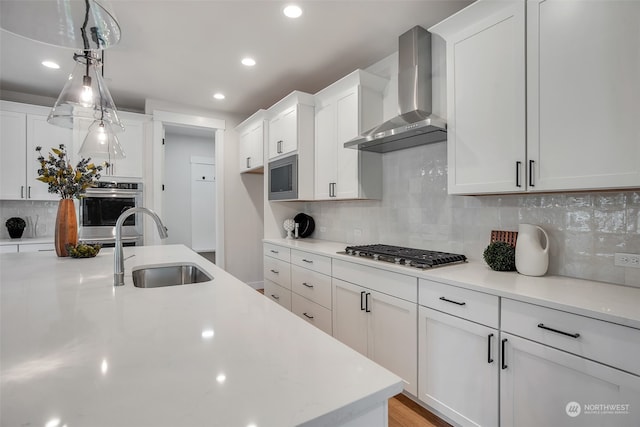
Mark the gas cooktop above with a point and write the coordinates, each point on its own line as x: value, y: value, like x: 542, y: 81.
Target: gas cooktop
x: 418, y: 258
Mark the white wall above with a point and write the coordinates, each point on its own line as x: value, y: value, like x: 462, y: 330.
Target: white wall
x: 243, y: 220
x: 177, y: 202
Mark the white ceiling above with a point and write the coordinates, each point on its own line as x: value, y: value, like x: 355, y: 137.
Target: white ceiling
x: 182, y: 51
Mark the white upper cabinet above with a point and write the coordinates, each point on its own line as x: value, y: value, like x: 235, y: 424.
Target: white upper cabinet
x: 485, y: 97
x: 251, y: 142
x: 583, y: 86
x: 132, y: 140
x: 23, y: 127
x: 345, y: 109
x: 575, y: 129
x: 291, y: 125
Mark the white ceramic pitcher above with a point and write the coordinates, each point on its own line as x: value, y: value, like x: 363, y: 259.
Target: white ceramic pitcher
x: 531, y: 258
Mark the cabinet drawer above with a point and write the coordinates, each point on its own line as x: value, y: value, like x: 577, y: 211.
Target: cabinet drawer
x: 319, y: 263
x: 7, y: 249
x: 37, y: 247
x: 311, y: 312
x: 279, y: 252
x: 311, y: 285
x: 471, y: 305
x: 605, y: 342
x: 277, y: 271
x: 278, y: 294
x: 388, y: 282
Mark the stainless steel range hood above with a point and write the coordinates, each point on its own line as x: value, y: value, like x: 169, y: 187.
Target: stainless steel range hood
x: 415, y: 125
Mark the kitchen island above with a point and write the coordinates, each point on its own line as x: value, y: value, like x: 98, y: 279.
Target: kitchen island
x: 77, y: 351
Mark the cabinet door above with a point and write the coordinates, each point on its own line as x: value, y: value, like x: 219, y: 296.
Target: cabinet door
x: 542, y: 386
x: 347, y: 186
x: 349, y: 315
x: 583, y: 65
x: 325, y: 151
x: 256, y: 146
x: 48, y: 136
x: 290, y: 130
x: 13, y: 137
x: 458, y: 366
x: 243, y: 151
x: 393, y: 336
x: 275, y: 137
x: 486, y: 104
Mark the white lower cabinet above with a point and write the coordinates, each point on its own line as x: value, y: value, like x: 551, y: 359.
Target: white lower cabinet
x: 278, y: 294
x: 313, y: 313
x: 8, y: 249
x: 458, y: 368
x: 542, y: 386
x: 378, y: 326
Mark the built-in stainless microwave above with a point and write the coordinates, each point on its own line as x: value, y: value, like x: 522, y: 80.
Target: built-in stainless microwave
x: 283, y: 178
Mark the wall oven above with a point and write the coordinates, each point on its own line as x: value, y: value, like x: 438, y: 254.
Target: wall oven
x: 100, y: 208
x: 283, y: 178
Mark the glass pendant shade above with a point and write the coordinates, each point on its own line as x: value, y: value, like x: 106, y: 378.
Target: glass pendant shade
x: 61, y: 22
x: 85, y: 96
x: 101, y: 142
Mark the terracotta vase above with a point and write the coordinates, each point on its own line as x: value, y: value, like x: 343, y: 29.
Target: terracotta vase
x: 66, y: 227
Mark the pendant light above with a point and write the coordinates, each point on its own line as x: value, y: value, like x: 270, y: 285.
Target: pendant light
x: 62, y: 23
x: 85, y: 96
x: 102, y: 142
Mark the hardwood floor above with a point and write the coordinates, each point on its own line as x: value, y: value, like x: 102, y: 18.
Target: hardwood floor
x: 404, y: 412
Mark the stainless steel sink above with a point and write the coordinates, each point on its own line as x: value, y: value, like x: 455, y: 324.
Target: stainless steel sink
x: 170, y: 275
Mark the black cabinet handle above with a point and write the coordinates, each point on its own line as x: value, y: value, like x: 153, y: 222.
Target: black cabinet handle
x: 504, y: 365
x: 248, y: 163
x: 452, y: 301
x: 366, y: 301
x: 307, y: 261
x: 518, y: 164
x: 307, y: 285
x: 362, y: 307
x: 275, y: 296
x: 22, y: 191
x: 542, y: 326
x: 279, y: 149
x: 274, y: 252
x: 275, y: 271
x: 489, y: 358
x: 307, y: 316
x: 28, y: 192
x: 531, y: 163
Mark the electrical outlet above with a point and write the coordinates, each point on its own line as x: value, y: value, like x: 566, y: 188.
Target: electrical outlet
x: 627, y: 260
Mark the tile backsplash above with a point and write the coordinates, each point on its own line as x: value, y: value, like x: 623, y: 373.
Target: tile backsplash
x: 585, y: 229
x: 42, y: 214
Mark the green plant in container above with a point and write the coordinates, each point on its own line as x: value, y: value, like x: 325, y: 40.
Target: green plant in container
x: 500, y: 256
x: 16, y: 227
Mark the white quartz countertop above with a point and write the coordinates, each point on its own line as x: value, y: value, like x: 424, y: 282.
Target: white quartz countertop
x: 77, y: 350
x: 604, y: 301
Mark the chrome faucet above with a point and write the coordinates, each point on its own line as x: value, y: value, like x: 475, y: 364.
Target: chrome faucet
x: 118, y: 261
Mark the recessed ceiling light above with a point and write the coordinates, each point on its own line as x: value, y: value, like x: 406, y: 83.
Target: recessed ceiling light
x: 292, y: 11
x: 249, y: 62
x: 50, y: 64
x: 218, y: 96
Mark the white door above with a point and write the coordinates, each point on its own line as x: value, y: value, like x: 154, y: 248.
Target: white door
x: 13, y: 139
x: 458, y: 368
x: 393, y: 336
x: 542, y: 386
x: 48, y: 136
x: 350, y: 321
x: 203, y: 206
x: 486, y: 104
x: 347, y: 186
x: 325, y: 151
x: 583, y: 64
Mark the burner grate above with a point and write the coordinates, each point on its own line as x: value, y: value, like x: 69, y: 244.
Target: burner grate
x: 419, y: 258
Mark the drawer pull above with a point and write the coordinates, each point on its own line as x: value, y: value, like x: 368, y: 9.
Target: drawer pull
x: 307, y: 316
x: 489, y: 358
x: 362, y: 300
x: 307, y: 285
x: 542, y: 326
x: 275, y: 271
x: 307, y: 261
x: 504, y: 365
x: 452, y: 301
x: 274, y: 252
x: 276, y: 297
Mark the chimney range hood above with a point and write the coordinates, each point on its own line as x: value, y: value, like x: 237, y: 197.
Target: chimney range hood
x: 415, y: 125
